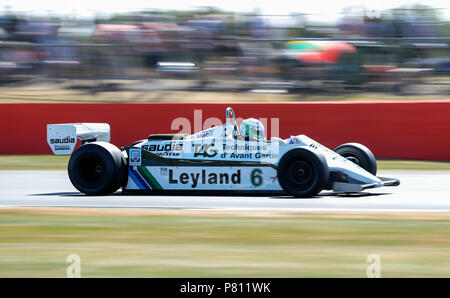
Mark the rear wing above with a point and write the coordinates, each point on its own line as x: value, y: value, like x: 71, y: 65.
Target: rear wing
x: 62, y: 138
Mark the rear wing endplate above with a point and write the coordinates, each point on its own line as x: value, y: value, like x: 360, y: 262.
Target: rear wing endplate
x: 62, y: 138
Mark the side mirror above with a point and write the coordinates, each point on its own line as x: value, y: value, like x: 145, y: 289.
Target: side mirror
x: 230, y: 116
x: 231, y: 120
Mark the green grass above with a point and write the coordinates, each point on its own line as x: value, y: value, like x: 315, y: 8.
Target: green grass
x: 52, y: 162
x: 36, y: 243
x: 412, y: 165
x: 33, y: 162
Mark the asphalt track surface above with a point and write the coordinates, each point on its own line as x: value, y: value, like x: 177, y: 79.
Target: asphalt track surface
x: 419, y: 191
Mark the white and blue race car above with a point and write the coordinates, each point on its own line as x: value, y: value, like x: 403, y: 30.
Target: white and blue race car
x: 225, y: 158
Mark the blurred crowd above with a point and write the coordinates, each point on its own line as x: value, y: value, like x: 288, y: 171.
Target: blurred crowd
x: 223, y: 51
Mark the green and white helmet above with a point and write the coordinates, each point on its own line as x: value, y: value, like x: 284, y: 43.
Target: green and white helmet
x: 252, y: 129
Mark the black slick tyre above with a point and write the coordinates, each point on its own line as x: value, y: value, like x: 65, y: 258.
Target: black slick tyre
x: 360, y: 155
x: 97, y: 168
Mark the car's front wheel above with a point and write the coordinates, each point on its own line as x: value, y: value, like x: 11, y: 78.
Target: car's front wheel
x: 302, y: 172
x: 360, y: 155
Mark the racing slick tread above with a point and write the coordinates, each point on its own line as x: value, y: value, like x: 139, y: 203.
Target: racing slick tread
x: 98, y: 168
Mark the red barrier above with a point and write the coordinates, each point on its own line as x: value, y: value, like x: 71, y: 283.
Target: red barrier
x: 407, y: 130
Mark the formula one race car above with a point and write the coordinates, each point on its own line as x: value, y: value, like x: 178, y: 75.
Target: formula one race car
x: 218, y: 159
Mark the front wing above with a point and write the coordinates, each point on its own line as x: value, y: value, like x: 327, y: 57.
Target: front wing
x: 339, y: 187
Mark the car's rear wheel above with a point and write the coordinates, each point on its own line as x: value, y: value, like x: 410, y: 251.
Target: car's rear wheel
x: 97, y: 168
x: 360, y: 155
x: 302, y: 172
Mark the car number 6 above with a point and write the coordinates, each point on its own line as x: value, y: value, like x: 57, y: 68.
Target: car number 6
x: 256, y: 177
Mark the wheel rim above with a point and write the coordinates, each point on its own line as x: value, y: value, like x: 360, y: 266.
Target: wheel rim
x: 353, y: 159
x: 92, y: 169
x: 301, y: 172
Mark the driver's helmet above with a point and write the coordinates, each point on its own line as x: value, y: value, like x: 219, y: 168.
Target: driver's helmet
x: 252, y: 129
